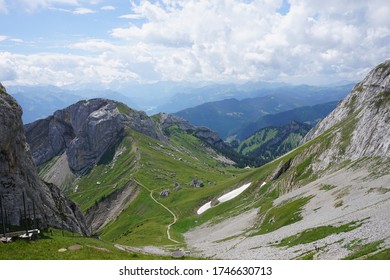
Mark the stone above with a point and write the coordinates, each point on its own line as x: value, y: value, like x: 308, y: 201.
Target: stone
x: 164, y: 193
x: 18, y: 177
x: 367, y: 111
x: 85, y: 131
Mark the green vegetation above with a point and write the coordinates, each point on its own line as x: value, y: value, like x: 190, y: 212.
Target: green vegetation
x: 307, y: 256
x: 123, y: 108
x: 153, y: 166
x: 382, y: 100
x: 381, y: 255
x: 317, y: 233
x: 366, y: 249
x: 346, y: 134
x: 327, y: 187
x: 352, y: 103
x: 42, y: 169
x: 382, y: 67
x: 271, y: 142
x: 105, y: 177
x: 287, y: 213
x: 257, y: 140
x: 47, y: 246
x: 303, y: 171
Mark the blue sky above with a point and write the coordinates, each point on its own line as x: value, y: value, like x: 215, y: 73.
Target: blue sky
x: 114, y: 42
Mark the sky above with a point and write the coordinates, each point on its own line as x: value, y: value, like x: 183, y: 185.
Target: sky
x: 118, y: 42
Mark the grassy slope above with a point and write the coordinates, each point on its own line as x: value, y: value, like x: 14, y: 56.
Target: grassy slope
x: 156, y: 167
x: 47, y: 246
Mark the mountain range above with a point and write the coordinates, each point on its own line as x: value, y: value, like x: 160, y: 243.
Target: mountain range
x: 240, y: 118
x: 163, y: 185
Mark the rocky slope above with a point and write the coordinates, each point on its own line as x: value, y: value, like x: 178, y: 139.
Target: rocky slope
x: 361, y: 122
x: 339, y: 177
x: 18, y: 175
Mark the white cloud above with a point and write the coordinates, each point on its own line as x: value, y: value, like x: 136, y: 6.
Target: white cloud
x: 108, y: 8
x: 93, y: 45
x: 222, y: 40
x: 16, y: 40
x: 61, y: 69
x: 83, y: 11
x: 233, y: 40
x: 3, y: 7
x: 131, y: 16
x: 3, y: 38
x: 32, y: 5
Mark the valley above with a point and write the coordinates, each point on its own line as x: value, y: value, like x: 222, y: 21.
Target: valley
x: 159, y: 184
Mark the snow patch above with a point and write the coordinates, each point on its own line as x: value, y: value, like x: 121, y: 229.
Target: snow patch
x: 226, y: 197
x: 205, y: 207
x: 233, y: 193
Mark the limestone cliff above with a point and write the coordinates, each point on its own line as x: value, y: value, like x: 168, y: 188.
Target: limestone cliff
x: 85, y: 131
x: 18, y: 175
x: 360, y: 124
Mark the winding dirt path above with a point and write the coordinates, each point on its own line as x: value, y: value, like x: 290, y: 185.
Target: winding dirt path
x: 166, y: 208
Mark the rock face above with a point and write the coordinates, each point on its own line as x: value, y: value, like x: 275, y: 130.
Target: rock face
x: 85, y: 130
x: 18, y: 175
x: 360, y: 124
x: 210, y: 137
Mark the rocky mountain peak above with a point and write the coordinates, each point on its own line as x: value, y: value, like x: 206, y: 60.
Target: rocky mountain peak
x: 361, y: 122
x: 19, y: 178
x: 85, y: 131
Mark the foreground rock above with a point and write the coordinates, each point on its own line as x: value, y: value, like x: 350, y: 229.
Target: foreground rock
x: 18, y: 175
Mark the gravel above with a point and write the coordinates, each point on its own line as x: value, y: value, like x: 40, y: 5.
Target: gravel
x: 361, y: 198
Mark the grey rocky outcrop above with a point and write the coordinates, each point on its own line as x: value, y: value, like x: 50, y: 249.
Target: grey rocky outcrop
x: 85, y: 131
x: 360, y: 124
x: 201, y: 132
x: 18, y: 176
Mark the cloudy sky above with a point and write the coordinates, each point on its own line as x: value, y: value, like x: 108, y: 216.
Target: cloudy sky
x: 111, y: 42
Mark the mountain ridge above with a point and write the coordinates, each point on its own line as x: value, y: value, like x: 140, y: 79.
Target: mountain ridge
x: 228, y: 116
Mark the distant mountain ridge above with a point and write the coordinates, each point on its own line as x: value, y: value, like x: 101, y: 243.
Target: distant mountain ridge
x: 308, y: 114
x: 212, y: 93
x: 228, y: 116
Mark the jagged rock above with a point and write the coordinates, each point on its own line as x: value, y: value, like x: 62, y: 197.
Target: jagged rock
x: 18, y: 176
x: 108, y: 208
x: 164, y: 193
x: 197, y: 183
x: 360, y: 123
x: 203, y: 133
x: 282, y: 168
x: 85, y: 130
